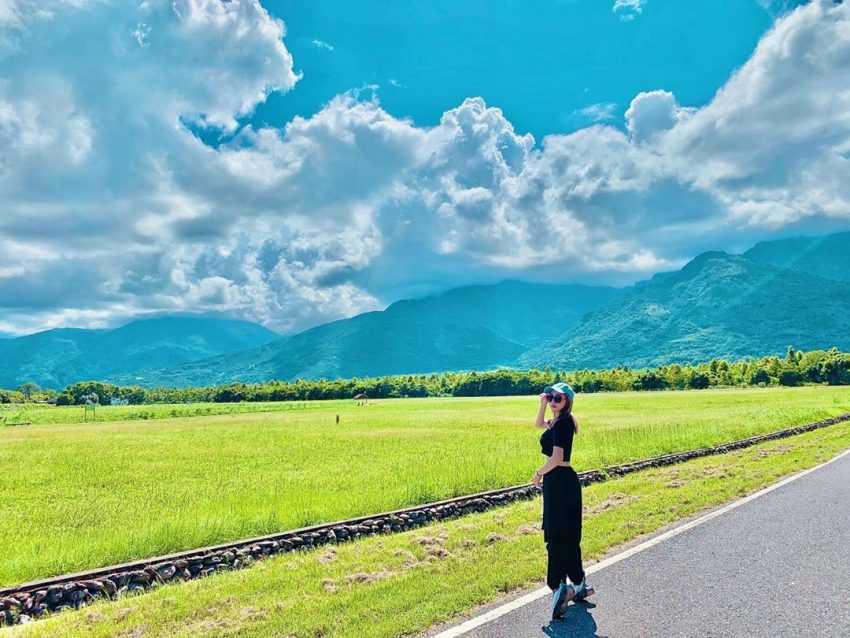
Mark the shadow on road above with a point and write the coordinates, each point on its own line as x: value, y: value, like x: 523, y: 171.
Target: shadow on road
x: 578, y: 622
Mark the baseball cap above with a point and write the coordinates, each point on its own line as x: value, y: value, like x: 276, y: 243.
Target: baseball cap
x: 563, y: 388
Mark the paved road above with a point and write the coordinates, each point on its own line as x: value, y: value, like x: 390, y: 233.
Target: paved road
x: 778, y: 565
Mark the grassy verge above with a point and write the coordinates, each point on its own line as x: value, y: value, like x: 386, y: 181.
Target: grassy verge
x: 84, y: 495
x: 402, y: 584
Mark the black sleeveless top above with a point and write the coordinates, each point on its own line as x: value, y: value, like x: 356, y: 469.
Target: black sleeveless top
x: 561, y: 434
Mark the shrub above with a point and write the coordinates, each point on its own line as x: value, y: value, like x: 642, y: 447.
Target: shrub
x: 760, y: 377
x: 835, y: 370
x: 790, y: 378
x: 650, y: 381
x: 699, y: 381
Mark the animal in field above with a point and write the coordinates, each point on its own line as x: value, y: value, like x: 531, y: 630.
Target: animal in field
x: 361, y: 399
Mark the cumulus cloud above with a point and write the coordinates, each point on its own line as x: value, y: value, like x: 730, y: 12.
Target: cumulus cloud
x: 93, y: 142
x: 113, y: 206
x: 653, y: 112
x: 774, y: 143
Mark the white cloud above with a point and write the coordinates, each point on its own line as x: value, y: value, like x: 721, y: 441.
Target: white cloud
x: 652, y: 113
x: 599, y: 112
x: 16, y: 12
x: 107, y: 192
x: 628, y: 10
x: 321, y: 44
x: 777, y: 7
x: 774, y: 143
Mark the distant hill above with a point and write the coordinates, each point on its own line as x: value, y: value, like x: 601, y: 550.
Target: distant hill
x: 779, y: 293
x: 718, y: 305
x: 55, y: 358
x: 827, y: 256
x: 473, y: 327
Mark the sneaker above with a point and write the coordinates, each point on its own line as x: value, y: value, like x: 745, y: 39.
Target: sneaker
x: 583, y: 590
x: 558, y: 598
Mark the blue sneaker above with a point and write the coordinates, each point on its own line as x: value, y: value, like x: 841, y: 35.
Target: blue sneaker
x: 583, y: 590
x: 559, y: 601
x: 577, y: 593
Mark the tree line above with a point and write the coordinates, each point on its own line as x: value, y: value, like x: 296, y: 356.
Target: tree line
x: 830, y: 367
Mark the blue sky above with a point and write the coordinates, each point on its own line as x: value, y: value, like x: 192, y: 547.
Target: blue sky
x: 541, y: 62
x: 293, y: 163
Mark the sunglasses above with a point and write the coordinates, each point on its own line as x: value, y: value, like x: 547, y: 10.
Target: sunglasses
x: 555, y: 398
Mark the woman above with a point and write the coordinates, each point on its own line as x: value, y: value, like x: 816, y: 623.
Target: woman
x: 561, y: 499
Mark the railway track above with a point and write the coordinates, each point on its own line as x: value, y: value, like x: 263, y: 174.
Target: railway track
x: 27, y: 601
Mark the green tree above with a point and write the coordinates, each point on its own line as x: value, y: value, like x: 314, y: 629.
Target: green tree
x: 835, y: 369
x: 760, y: 376
x: 790, y: 378
x: 29, y: 390
x: 649, y: 381
x: 791, y: 357
x: 699, y: 381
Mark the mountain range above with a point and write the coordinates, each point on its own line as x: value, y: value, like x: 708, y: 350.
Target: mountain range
x: 718, y: 305
x: 827, y: 256
x: 779, y: 293
x: 58, y: 357
x: 473, y: 327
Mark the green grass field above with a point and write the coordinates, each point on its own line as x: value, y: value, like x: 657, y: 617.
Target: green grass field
x: 83, y: 495
x: 400, y: 585
x: 39, y: 414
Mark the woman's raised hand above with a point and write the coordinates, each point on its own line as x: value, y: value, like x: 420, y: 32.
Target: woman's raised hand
x: 544, y: 398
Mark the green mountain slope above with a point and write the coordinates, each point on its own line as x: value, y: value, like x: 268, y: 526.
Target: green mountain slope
x: 472, y: 327
x: 779, y: 293
x: 827, y: 256
x: 718, y: 305
x: 55, y: 358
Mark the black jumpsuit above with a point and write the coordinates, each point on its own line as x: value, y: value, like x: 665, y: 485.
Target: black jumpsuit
x: 561, y: 508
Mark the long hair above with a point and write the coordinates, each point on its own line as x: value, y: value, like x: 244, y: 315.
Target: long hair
x: 566, y: 413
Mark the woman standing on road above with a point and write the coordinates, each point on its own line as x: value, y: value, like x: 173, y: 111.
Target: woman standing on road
x: 561, y: 499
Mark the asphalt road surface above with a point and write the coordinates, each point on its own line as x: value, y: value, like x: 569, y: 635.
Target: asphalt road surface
x: 778, y: 565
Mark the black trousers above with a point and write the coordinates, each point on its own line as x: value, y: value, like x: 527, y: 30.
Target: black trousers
x: 562, y: 526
